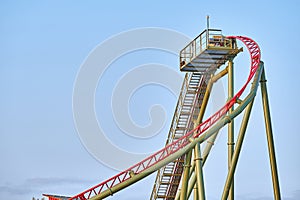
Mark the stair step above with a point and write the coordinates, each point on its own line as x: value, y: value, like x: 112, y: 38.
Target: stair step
x: 187, y: 110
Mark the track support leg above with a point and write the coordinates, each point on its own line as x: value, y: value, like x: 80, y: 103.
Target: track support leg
x: 186, y: 175
x: 199, y: 172
x: 196, y: 197
x: 269, y: 132
x: 230, y: 125
x: 237, y: 151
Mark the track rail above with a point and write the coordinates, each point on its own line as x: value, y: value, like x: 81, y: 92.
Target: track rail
x: 170, y: 149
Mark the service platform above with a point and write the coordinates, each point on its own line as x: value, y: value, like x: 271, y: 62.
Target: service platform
x: 207, y: 52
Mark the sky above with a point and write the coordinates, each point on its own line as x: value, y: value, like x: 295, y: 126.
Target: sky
x: 45, y: 47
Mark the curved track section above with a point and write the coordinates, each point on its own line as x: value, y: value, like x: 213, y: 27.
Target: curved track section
x: 156, y: 159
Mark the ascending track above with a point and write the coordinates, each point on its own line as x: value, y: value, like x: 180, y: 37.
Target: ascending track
x: 187, y: 142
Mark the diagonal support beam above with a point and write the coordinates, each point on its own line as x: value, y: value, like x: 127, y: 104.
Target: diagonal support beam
x: 192, y: 183
x: 269, y: 132
x: 237, y: 151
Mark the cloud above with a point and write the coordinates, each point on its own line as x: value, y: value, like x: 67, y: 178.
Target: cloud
x: 55, y: 181
x: 11, y: 190
x: 37, y: 186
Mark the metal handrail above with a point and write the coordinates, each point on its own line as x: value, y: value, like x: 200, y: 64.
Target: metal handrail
x: 207, y: 39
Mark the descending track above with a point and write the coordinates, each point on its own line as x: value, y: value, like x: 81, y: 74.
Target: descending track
x: 181, y: 142
x: 179, y: 147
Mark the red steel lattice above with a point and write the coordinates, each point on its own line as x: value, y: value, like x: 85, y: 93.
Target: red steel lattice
x: 255, y: 55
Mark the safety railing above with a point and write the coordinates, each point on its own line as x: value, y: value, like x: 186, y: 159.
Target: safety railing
x: 210, y: 38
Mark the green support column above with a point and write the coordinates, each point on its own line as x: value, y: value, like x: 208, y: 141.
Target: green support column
x: 196, y: 193
x: 230, y: 125
x: 192, y: 183
x: 199, y: 172
x: 208, y: 146
x: 235, y: 157
x: 186, y: 175
x: 267, y: 116
x: 197, y: 152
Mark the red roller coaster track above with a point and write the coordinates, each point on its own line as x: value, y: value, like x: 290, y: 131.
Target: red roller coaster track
x: 255, y: 55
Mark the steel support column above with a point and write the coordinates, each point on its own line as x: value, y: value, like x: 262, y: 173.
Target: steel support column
x: 186, y: 175
x: 199, y: 172
x: 196, y: 193
x: 230, y: 125
x: 192, y: 183
x: 235, y: 157
x: 269, y: 132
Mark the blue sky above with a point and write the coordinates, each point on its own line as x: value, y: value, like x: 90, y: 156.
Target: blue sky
x: 43, y: 45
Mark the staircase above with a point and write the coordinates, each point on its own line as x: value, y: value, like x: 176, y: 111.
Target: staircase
x: 187, y: 110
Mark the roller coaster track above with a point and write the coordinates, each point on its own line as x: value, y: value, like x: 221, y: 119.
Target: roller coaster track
x: 177, y: 148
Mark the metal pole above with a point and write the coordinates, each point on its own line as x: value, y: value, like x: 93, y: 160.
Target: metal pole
x: 212, y: 80
x: 208, y: 146
x: 196, y: 193
x: 197, y: 153
x: 269, y: 132
x: 186, y: 175
x: 207, y: 22
x: 191, y: 186
x: 205, y: 153
x: 231, y: 124
x: 237, y: 151
x: 207, y: 30
x: 199, y: 172
x: 192, y: 183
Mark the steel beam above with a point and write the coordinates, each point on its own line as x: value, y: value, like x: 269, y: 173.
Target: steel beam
x: 269, y: 132
x: 186, y: 175
x: 199, y: 172
x: 235, y: 156
x: 196, y: 193
x: 231, y: 123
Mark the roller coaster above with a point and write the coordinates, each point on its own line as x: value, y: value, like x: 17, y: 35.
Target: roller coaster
x: 179, y: 165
